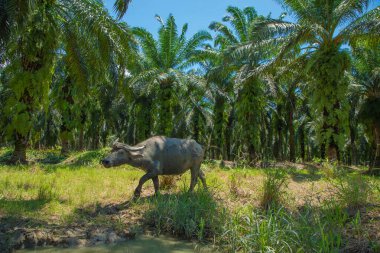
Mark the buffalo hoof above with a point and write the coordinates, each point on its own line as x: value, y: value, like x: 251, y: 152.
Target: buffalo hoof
x: 136, y: 195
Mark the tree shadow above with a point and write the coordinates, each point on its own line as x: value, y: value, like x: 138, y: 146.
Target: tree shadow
x: 312, y: 174
x: 19, y: 207
x: 85, y: 158
x: 108, y: 209
x: 5, y: 157
x: 10, y: 223
x: 113, y: 208
x: 374, y: 172
x: 52, y: 158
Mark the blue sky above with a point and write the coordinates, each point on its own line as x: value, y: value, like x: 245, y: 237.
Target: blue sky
x: 197, y: 13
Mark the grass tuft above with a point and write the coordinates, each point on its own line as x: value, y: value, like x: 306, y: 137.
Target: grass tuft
x: 234, y: 183
x: 353, y: 191
x: 188, y: 215
x: 273, y: 230
x: 273, y: 188
x: 168, y: 182
x: 47, y: 191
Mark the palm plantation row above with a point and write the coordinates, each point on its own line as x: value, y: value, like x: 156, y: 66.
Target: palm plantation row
x: 249, y: 88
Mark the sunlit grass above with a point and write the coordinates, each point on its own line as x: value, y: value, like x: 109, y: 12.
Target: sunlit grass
x: 244, y: 209
x: 58, y: 190
x: 65, y: 187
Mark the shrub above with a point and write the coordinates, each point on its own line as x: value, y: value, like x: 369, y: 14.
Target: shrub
x: 333, y: 170
x: 277, y: 229
x: 167, y: 182
x: 353, y: 191
x: 273, y: 188
x: 273, y: 230
x: 234, y: 183
x: 188, y: 215
x: 47, y: 191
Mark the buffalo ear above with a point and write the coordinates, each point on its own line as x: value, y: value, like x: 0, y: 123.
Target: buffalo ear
x: 114, y: 143
x: 135, y: 154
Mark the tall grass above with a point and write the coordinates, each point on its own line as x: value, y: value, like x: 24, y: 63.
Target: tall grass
x: 188, y: 215
x: 259, y: 231
x: 168, y: 182
x: 280, y: 230
x: 353, y: 191
x: 273, y: 188
x: 234, y: 185
x: 47, y: 191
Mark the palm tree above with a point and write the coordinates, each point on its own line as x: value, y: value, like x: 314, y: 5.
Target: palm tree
x: 35, y: 33
x: 367, y: 80
x: 164, y: 64
x: 321, y: 29
x: 235, y: 30
x: 15, y: 12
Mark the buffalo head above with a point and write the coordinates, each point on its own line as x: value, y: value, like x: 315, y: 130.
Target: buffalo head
x: 123, y: 154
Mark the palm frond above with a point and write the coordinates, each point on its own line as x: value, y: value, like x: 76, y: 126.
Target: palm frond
x: 168, y: 38
x: 250, y: 13
x: 148, y: 44
x: 225, y: 34
x: 121, y: 7
x: 367, y: 27
x: 238, y: 22
x: 194, y: 43
x: 348, y: 10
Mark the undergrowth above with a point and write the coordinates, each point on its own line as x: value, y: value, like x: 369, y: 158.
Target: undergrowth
x: 187, y: 215
x: 273, y: 188
x: 223, y: 215
x: 353, y: 191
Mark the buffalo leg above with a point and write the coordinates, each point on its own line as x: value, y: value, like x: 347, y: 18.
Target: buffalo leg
x: 143, y: 179
x: 203, y: 179
x: 156, y: 184
x: 194, y: 177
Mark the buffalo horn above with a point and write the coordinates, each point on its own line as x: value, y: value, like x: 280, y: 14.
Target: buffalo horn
x: 129, y: 148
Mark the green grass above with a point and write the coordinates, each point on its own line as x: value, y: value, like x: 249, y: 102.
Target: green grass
x: 187, y: 215
x: 273, y: 188
x: 58, y: 190
x: 245, y: 209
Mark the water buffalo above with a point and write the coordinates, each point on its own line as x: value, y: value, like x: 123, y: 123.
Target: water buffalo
x: 159, y: 156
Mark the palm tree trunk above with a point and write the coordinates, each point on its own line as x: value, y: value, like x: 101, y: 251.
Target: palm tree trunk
x: 228, y: 133
x: 269, y: 144
x: 21, y: 141
x: 219, y: 127
x: 292, y: 143
x: 280, y: 145
x: 252, y: 153
x: 19, y: 153
x: 81, y: 138
x: 291, y: 108
x: 166, y: 114
x: 302, y: 142
x: 66, y: 115
x: 353, y: 155
x: 323, y: 150
x: 376, y: 160
x: 278, y: 149
x: 95, y: 142
x: 332, y: 147
x: 195, y: 121
x: 64, y: 140
x: 144, y: 119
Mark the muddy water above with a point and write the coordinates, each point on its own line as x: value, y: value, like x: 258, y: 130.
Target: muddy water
x: 143, y: 244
